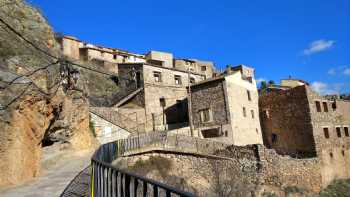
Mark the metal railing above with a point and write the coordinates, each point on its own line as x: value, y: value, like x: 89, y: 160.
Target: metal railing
x: 109, y: 181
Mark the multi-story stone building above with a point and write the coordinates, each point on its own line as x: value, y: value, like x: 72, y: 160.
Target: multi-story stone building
x: 158, y: 96
x: 225, y: 108
x: 203, y: 67
x: 299, y: 122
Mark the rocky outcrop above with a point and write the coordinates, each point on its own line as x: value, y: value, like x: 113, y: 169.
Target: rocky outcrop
x: 35, y: 111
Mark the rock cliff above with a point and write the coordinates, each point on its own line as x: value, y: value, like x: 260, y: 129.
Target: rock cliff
x: 35, y: 111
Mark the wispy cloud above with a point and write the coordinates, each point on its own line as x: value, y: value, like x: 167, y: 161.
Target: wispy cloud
x: 340, y: 70
x: 318, y: 46
x: 346, y: 71
x: 325, y: 88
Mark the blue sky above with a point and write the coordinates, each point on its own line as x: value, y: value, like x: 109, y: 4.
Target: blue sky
x: 305, y: 39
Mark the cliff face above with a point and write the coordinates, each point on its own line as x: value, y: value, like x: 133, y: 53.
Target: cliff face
x: 35, y: 111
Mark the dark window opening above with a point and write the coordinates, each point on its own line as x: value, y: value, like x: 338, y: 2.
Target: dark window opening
x: 343, y: 152
x: 338, y: 131
x: 162, y: 102
x: 226, y: 134
x: 203, y: 68
x: 326, y: 132
x: 274, y: 138
x: 244, y: 112
x: 210, y: 133
x: 318, y: 106
x: 325, y: 106
x: 346, y: 131
x: 252, y: 112
x: 334, y: 106
x: 249, y: 97
x: 331, y: 154
x: 114, y: 56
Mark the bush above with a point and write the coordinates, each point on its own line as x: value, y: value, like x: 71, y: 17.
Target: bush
x: 338, y: 188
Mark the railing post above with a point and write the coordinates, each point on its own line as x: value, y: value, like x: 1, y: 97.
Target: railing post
x: 155, y: 191
x: 127, y: 185
x: 144, y: 189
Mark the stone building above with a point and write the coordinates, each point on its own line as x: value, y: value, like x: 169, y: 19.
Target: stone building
x: 299, y: 122
x: 225, y: 108
x: 157, y: 95
x: 203, y: 67
x: 104, y: 56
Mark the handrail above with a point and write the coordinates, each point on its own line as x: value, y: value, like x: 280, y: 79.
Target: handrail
x: 107, y: 180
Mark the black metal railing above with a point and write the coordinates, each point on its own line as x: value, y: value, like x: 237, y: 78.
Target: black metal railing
x: 109, y: 181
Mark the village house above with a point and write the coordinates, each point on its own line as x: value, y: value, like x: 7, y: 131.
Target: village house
x: 225, y: 108
x: 297, y: 121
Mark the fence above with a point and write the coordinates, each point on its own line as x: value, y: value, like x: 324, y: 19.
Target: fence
x: 109, y: 181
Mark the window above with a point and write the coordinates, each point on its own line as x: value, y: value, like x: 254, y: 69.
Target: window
x: 226, y: 134
x: 192, y: 80
x: 114, y: 56
x: 249, y: 97
x: 203, y: 68
x: 338, y: 131
x: 252, y: 112
x: 162, y: 102
x: 334, y: 106
x: 326, y: 132
x: 318, y: 106
x: 331, y: 154
x: 244, y: 112
x: 257, y: 130
x: 157, y: 76
x: 343, y: 152
x: 205, y: 115
x: 177, y: 80
x: 325, y: 107
x: 274, y: 138
x: 210, y: 133
x: 346, y: 131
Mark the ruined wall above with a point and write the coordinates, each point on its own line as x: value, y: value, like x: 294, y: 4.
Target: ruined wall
x: 286, y: 115
x: 70, y: 47
x: 334, y: 149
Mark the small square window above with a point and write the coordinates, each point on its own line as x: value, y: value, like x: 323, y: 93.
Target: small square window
x: 177, y: 80
x: 244, y: 112
x: 248, y: 94
x: 114, y: 56
x: 205, y: 115
x: 192, y: 80
x: 203, y: 68
x: 338, y: 131
x: 318, y: 106
x: 157, y: 76
x: 326, y: 132
x: 325, y: 106
x: 162, y: 102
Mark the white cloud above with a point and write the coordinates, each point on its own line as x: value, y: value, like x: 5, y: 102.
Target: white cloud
x: 346, y: 71
x: 332, y: 71
x: 318, y: 46
x: 324, y: 88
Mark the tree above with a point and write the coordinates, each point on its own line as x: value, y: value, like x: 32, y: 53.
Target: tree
x: 271, y: 82
x: 263, y: 85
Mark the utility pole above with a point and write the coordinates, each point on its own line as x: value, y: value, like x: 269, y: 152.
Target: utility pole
x: 189, y: 99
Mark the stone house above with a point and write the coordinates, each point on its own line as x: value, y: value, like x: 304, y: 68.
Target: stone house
x: 225, y: 108
x: 199, y: 66
x: 104, y: 56
x: 157, y: 95
x: 299, y: 122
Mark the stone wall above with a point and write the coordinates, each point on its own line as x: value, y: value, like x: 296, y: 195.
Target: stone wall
x: 248, y: 171
x: 285, y: 116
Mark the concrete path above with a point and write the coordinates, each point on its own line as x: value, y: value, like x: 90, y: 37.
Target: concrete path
x: 56, y: 178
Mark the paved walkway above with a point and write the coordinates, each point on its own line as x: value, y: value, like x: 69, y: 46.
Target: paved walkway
x: 55, y: 181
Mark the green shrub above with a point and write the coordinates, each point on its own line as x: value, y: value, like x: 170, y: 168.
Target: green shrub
x: 338, y: 188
